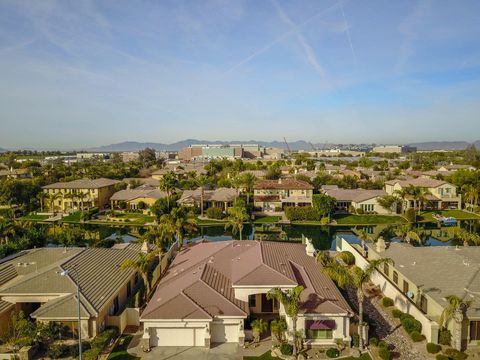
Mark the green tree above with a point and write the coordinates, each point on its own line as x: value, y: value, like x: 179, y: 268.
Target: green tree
x: 141, y: 264
x: 345, y: 275
x: 324, y: 204
x: 455, y: 310
x: 20, y: 333
x: 167, y: 184
x: 181, y: 222
x: 248, y: 181
x: 290, y: 299
x: 388, y: 202
x: 147, y: 156
x: 237, y: 215
x: 259, y: 326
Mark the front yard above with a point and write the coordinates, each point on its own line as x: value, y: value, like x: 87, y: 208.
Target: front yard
x: 350, y: 219
x: 267, y: 219
x: 427, y: 216
x: 119, y: 352
x: 34, y: 217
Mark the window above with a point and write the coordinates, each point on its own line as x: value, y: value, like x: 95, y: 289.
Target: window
x: 395, y: 277
x: 474, y: 330
x: 320, y: 329
x: 405, y: 286
x: 386, y: 269
x: 252, y: 300
x: 319, y: 334
x: 423, y: 303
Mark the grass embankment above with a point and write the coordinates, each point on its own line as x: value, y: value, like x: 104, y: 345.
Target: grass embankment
x: 34, y: 217
x: 266, y: 220
x: 349, y: 219
x: 119, y: 352
x: 427, y: 216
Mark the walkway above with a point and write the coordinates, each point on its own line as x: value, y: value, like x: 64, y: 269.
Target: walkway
x: 387, y: 330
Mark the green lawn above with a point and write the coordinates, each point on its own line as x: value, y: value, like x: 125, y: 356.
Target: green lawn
x: 74, y: 217
x: 206, y: 222
x: 349, y: 219
x: 457, y: 214
x: 266, y: 219
x: 120, y: 351
x: 34, y: 217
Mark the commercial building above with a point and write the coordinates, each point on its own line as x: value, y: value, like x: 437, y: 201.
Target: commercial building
x: 221, y: 151
x: 394, y: 149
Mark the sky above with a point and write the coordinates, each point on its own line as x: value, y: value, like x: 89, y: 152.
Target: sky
x: 83, y: 73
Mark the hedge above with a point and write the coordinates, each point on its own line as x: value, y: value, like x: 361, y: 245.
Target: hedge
x: 411, y: 324
x: 302, y: 213
x: 433, y: 348
x: 455, y: 354
x: 214, y: 213
x: 373, y: 341
x: 384, y: 353
x: 416, y: 336
x: 387, y: 302
x: 286, y: 349
x: 332, y: 353
x: 445, y: 337
x: 442, y: 357
x: 397, y: 313
x: 99, y: 343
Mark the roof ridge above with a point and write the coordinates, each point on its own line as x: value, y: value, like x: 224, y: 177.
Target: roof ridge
x: 278, y: 272
x: 194, y: 302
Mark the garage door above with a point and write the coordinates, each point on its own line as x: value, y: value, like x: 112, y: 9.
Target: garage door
x: 179, y: 337
x: 222, y: 333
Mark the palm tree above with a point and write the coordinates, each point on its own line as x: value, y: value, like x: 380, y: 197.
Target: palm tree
x: 81, y: 196
x: 290, y: 299
x: 455, y: 310
x: 51, y: 197
x: 7, y: 229
x: 364, y: 236
x: 202, y: 181
x: 141, y: 264
x: 352, y: 275
x: 259, y: 326
x: 248, y: 181
x: 237, y: 215
x: 180, y: 222
x: 167, y: 184
x: 470, y: 195
x: 41, y: 196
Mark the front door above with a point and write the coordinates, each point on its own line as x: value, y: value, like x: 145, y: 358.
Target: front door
x: 267, y: 305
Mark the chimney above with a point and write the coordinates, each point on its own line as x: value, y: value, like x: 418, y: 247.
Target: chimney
x: 145, y: 248
x: 280, y: 181
x: 310, y: 249
x: 381, y: 246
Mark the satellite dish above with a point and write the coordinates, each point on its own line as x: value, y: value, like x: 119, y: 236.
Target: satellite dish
x: 410, y: 294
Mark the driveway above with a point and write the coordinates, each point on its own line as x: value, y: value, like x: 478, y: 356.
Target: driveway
x: 217, y: 352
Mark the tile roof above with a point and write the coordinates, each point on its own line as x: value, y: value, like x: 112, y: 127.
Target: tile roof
x: 207, y: 273
x: 288, y: 184
x: 132, y: 194
x: 220, y: 195
x: 419, y: 182
x: 82, y: 184
x: 355, y: 195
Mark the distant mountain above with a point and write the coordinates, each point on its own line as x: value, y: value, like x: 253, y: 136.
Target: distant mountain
x: 444, y: 145
x: 2, y: 149
x: 136, y: 146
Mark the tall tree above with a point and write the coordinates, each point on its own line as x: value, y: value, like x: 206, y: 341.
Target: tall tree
x: 248, y: 181
x: 345, y: 275
x: 167, y: 184
x: 237, y: 215
x: 455, y: 310
x: 290, y: 299
x: 141, y: 264
x: 181, y: 222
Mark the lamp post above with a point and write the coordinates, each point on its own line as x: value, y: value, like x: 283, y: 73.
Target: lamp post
x: 66, y: 273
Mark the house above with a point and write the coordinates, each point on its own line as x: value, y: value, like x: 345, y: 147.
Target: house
x: 438, y: 193
x: 366, y: 200
x: 32, y: 281
x: 428, y: 275
x: 223, y: 198
x: 134, y: 198
x: 274, y: 195
x: 15, y: 173
x: 259, y: 174
x: 213, y: 289
x: 455, y: 167
x: 182, y: 171
x: 77, y: 194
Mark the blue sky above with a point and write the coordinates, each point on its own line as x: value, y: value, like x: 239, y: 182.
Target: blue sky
x: 86, y: 73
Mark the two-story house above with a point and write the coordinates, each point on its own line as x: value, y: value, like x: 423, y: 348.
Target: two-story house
x: 78, y: 194
x: 274, y: 195
x: 438, y: 194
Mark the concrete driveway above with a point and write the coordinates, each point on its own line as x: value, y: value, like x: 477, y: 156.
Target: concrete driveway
x: 218, y: 352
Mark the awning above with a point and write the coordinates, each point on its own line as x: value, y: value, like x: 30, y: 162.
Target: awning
x: 320, y: 324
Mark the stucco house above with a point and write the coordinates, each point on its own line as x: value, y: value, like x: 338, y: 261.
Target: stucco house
x: 212, y: 290
x: 31, y: 281
x: 438, y: 194
x: 223, y: 198
x: 133, y: 197
x: 366, y: 200
x: 274, y: 195
x: 77, y: 194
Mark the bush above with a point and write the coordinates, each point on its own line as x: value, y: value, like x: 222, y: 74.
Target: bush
x: 373, y: 341
x: 387, y: 302
x: 355, y: 340
x: 302, y: 213
x: 416, y: 336
x: 99, y: 342
x: 214, y: 213
x: 433, y: 348
x: 442, y: 357
x: 404, y: 316
x: 332, y: 353
x: 445, y: 337
x: 347, y: 257
x: 91, y: 354
x: 360, y: 211
x: 410, y: 215
x: 397, y: 313
x: 455, y: 354
x: 382, y: 344
x: 286, y: 349
x: 384, y: 353
x: 410, y: 325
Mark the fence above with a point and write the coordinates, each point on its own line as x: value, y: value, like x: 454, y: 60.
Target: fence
x: 401, y: 302
x: 164, y: 262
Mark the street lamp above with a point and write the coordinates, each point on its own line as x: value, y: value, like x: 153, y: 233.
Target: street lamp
x: 66, y: 273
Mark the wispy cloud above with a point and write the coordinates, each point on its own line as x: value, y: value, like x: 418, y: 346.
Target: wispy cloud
x: 307, y: 48
x: 347, y: 32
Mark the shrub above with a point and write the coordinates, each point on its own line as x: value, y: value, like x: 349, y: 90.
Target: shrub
x: 360, y: 211
x: 445, y: 337
x: 387, y: 302
x: 410, y: 325
x: 384, y: 353
x: 404, y: 316
x: 347, y: 257
x: 455, y: 354
x: 433, y: 348
x: 397, y: 313
x: 302, y: 213
x: 416, y: 336
x: 442, y: 357
x: 333, y: 353
x: 410, y: 215
x: 214, y: 213
x: 91, y: 354
x: 286, y: 349
x: 382, y: 344
x: 355, y: 340
x: 373, y: 341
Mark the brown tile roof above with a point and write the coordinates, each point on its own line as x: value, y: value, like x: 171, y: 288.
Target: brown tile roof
x: 82, y: 184
x: 207, y: 272
x: 220, y: 195
x: 132, y: 194
x: 288, y: 184
x: 355, y: 195
x: 419, y: 182
x: 257, y: 198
